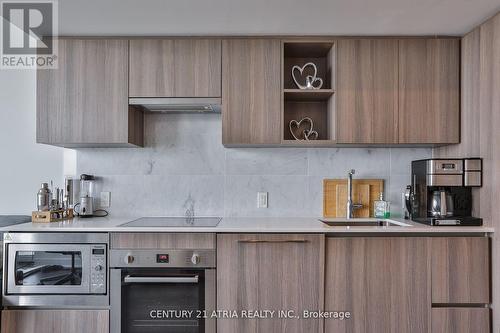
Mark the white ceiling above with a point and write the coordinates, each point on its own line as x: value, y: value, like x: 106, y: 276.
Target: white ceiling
x: 272, y: 17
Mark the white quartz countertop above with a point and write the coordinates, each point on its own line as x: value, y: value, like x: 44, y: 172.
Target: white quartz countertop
x: 241, y: 225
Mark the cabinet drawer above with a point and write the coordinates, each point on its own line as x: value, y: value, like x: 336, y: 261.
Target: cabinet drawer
x: 460, y: 320
x: 460, y: 270
x: 55, y: 321
x: 133, y: 240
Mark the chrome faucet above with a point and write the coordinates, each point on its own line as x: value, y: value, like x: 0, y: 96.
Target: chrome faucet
x: 350, y: 205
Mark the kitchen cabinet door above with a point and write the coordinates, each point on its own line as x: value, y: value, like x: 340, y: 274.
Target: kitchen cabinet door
x: 460, y: 270
x: 383, y: 282
x: 251, y: 92
x: 429, y: 91
x: 270, y: 272
x: 84, y: 102
x: 367, y: 91
x: 55, y: 321
x: 460, y: 320
x: 175, y: 68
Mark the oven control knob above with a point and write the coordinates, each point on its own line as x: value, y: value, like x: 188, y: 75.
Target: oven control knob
x: 129, y: 259
x: 195, y: 259
x: 98, y: 268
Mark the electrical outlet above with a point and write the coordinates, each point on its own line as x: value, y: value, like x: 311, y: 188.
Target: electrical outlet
x: 261, y: 199
x: 105, y: 199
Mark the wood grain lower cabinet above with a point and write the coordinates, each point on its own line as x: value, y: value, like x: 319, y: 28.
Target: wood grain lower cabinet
x: 460, y: 320
x: 270, y: 272
x: 175, y: 68
x: 84, y: 102
x: 55, y: 321
x: 429, y: 91
x: 383, y: 282
x: 251, y: 92
x: 460, y: 270
x: 367, y: 91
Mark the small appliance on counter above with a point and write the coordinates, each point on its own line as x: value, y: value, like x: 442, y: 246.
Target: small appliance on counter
x: 87, y: 207
x: 441, y: 191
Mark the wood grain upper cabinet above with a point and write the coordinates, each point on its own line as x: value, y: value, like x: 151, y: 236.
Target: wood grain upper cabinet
x: 55, y: 321
x: 460, y: 270
x: 383, y: 282
x: 270, y: 272
x: 367, y: 91
x: 251, y: 92
x: 84, y: 102
x: 429, y: 91
x: 175, y: 68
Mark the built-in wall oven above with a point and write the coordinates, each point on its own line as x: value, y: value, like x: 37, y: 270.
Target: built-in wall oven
x: 55, y: 270
x: 156, y: 291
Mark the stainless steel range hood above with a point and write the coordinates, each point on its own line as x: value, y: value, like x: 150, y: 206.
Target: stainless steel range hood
x: 178, y: 105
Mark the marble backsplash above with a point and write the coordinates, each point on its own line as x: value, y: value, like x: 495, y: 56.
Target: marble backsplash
x: 184, y: 162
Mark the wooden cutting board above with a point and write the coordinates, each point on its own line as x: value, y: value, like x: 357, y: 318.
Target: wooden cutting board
x: 364, y: 191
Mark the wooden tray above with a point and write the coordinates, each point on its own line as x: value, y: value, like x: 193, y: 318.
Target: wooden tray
x: 364, y: 191
x: 51, y: 215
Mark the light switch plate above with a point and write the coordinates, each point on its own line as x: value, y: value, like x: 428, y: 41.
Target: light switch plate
x: 105, y: 199
x: 262, y: 199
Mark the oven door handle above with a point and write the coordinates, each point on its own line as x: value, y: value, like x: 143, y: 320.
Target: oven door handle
x: 160, y: 279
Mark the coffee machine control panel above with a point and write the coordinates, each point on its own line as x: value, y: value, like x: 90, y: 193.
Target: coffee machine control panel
x: 436, y: 166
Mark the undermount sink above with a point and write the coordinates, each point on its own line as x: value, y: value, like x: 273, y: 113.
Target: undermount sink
x: 363, y: 223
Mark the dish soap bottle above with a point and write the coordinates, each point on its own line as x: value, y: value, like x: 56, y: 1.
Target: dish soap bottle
x: 382, y: 208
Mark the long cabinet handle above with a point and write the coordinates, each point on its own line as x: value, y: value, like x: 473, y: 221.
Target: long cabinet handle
x: 160, y: 279
x: 255, y: 241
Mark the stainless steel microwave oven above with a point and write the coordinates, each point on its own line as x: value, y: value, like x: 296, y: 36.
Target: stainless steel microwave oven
x: 55, y: 269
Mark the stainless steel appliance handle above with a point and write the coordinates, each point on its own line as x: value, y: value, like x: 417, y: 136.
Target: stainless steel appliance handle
x: 273, y: 241
x: 160, y: 279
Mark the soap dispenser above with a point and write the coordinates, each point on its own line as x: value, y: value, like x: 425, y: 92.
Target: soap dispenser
x: 381, y: 208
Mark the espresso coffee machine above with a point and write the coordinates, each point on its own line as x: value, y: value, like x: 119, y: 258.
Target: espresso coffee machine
x: 441, y: 191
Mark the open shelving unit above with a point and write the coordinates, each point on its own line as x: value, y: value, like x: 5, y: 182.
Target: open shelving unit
x: 317, y: 104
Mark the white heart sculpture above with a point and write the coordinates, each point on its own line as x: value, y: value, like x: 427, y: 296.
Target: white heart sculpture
x: 309, y: 134
x: 310, y: 82
x: 310, y: 79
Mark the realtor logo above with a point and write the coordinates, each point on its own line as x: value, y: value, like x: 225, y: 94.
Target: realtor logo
x: 29, y: 31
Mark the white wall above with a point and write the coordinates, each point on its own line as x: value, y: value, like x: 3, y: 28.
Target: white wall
x: 24, y: 164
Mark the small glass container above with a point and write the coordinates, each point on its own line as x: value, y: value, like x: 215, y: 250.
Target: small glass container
x: 382, y: 208
x: 87, y: 186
